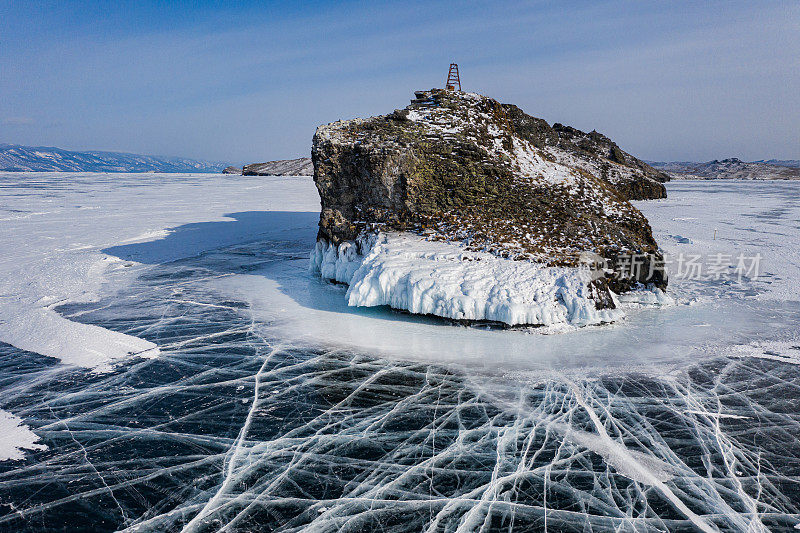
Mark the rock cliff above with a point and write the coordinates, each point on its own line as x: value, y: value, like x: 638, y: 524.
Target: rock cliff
x: 462, y: 169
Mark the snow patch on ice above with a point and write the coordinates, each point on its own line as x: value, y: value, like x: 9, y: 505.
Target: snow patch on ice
x: 782, y: 351
x: 46, y: 332
x: 32, y: 290
x: 147, y: 236
x: 632, y: 464
x: 646, y: 296
x: 15, y: 437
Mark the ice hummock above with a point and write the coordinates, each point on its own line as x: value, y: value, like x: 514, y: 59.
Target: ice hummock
x: 405, y: 271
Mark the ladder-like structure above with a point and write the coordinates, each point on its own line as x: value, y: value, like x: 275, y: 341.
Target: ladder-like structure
x: 452, y: 78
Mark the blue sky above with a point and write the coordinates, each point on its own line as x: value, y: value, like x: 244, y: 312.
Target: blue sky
x: 248, y: 82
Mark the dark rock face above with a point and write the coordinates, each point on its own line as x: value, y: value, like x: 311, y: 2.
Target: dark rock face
x: 283, y: 167
x: 231, y: 170
x: 462, y: 167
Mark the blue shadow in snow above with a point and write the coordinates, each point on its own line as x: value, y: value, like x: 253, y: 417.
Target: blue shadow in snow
x: 297, y: 229
x: 190, y: 240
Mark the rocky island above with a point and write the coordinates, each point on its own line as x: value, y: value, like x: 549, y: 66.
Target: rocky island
x: 465, y: 208
x: 283, y: 167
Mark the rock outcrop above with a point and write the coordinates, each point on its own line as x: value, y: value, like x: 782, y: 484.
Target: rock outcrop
x: 462, y: 169
x: 232, y: 170
x: 283, y: 167
x: 592, y: 152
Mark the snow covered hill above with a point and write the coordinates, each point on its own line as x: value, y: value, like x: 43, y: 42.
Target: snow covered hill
x: 793, y: 163
x: 732, y: 168
x: 18, y: 158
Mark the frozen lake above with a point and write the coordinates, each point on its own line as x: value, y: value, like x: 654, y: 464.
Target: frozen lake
x: 181, y: 369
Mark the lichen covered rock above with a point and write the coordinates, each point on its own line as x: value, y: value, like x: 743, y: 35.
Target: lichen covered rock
x: 463, y: 169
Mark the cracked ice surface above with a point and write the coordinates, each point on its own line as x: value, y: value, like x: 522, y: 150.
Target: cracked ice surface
x: 274, y: 406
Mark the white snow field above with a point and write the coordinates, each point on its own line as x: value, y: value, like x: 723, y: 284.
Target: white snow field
x: 182, y: 369
x: 731, y: 218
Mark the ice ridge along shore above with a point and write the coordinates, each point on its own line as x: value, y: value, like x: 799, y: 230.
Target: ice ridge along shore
x: 403, y: 271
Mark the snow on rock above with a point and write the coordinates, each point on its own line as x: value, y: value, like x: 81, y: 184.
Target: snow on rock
x: 15, y: 437
x: 454, y: 164
x: 407, y: 272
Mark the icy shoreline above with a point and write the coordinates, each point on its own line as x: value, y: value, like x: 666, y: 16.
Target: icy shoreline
x: 407, y: 272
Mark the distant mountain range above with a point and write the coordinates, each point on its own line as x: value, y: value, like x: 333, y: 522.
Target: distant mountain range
x: 732, y: 168
x: 795, y: 163
x: 17, y: 158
